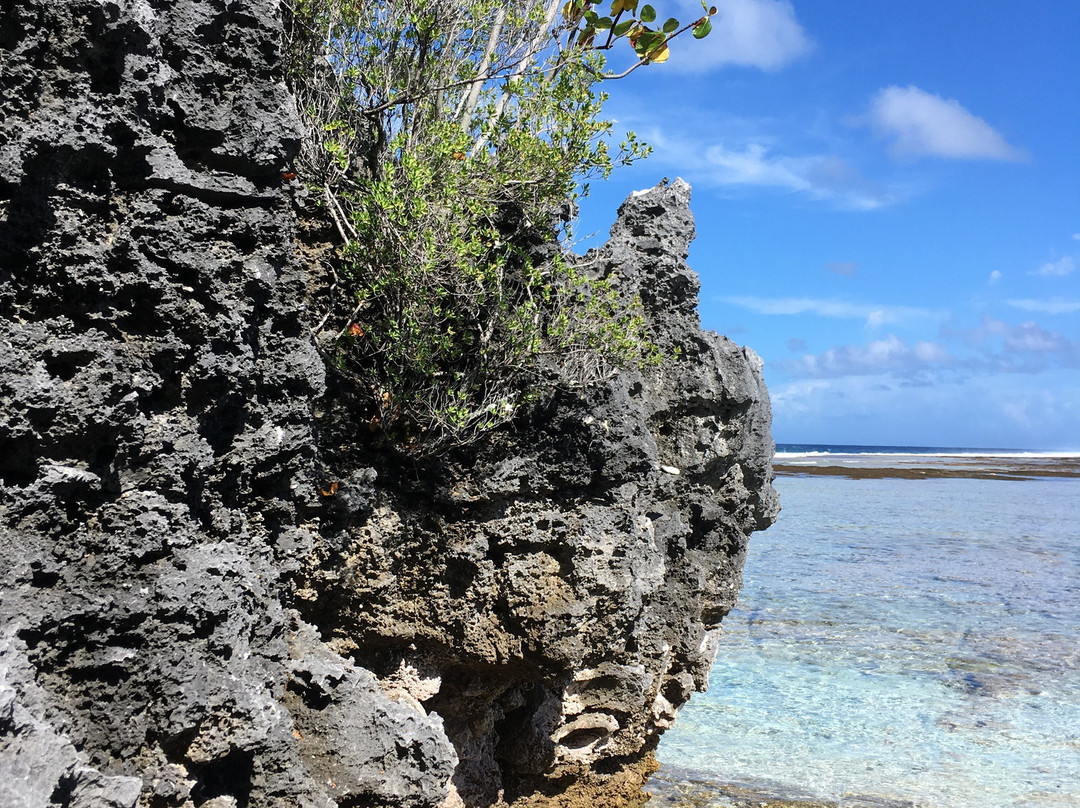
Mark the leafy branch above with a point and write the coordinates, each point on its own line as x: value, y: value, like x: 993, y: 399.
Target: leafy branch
x: 444, y: 141
x: 626, y: 21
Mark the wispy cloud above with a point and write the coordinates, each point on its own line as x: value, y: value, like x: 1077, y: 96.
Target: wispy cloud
x: 874, y: 315
x: 1055, y: 305
x: 993, y: 346
x: 1030, y: 336
x: 1056, y: 269
x: 1023, y: 348
x: 753, y: 164
x: 746, y: 33
x: 995, y: 276
x: 889, y: 355
x: 795, y: 398
x: 958, y: 410
x: 923, y: 124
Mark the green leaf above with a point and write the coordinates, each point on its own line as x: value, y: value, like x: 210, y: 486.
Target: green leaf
x: 622, y: 28
x: 702, y: 29
x: 670, y: 25
x: 602, y: 24
x: 648, y: 43
x: 650, y: 40
x: 648, y: 13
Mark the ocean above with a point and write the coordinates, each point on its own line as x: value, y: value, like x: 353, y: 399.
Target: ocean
x: 908, y: 635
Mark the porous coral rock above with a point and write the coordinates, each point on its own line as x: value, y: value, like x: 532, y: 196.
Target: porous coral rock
x: 571, y: 600
x: 186, y: 618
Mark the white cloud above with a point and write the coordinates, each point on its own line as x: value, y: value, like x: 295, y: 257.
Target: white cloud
x: 793, y: 398
x: 822, y: 177
x: 1034, y: 338
x: 872, y: 314
x: 1060, y: 268
x: 995, y: 276
x: 994, y: 346
x: 1017, y: 412
x: 961, y: 410
x: 931, y: 352
x: 711, y: 149
x: 1055, y: 305
x: 833, y: 177
x: 887, y: 355
x: 1076, y: 236
x: 1024, y: 348
x: 1030, y: 348
x: 753, y: 166
x: 750, y: 163
x: 746, y: 33
x: 924, y: 124
x: 1028, y: 336
x: 877, y: 318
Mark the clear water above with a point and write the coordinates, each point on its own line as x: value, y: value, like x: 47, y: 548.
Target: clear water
x: 904, y: 640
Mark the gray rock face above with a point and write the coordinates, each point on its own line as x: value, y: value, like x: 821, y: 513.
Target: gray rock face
x: 156, y: 446
x: 185, y: 619
x: 566, y: 581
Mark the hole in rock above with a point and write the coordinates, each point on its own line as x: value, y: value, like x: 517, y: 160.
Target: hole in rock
x: 586, y: 736
x: 65, y: 366
x: 18, y: 463
x: 105, y: 70
x: 313, y: 696
x: 43, y: 580
x: 226, y: 776
x: 64, y: 791
x: 459, y: 575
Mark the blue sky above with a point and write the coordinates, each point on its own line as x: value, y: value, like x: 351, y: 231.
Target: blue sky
x: 887, y: 199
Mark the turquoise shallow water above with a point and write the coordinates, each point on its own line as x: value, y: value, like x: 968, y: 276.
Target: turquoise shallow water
x: 904, y: 640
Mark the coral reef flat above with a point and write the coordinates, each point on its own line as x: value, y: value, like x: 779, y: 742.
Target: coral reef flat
x: 922, y: 467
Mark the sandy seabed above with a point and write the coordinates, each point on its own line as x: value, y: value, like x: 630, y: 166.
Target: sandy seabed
x: 671, y: 791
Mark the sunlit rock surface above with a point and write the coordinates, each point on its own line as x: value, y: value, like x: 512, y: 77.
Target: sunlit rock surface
x: 185, y: 620
x: 564, y: 582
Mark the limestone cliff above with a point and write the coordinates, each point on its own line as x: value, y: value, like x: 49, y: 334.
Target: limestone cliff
x: 186, y: 619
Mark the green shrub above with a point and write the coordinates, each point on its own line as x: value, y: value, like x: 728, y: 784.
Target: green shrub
x: 444, y: 140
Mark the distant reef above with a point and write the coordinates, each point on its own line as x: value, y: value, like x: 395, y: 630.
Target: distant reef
x: 215, y: 589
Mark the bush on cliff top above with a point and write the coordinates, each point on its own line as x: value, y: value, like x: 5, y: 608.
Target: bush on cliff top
x: 444, y: 138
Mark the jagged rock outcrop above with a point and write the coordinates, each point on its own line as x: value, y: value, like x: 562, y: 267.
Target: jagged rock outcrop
x: 557, y: 590
x: 185, y: 619
x: 156, y: 443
